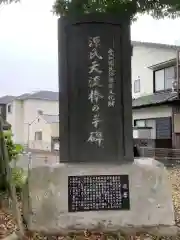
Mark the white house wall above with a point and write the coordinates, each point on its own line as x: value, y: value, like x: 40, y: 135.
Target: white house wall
x: 16, y: 120
x: 11, y: 117
x: 31, y: 111
x: 143, y: 57
x: 151, y: 113
x: 40, y: 125
x: 55, y: 129
x: 25, y: 112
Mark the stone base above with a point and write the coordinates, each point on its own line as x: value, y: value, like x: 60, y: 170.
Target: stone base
x: 151, y: 206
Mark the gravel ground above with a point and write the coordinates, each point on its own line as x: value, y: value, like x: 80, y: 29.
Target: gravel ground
x: 7, y: 222
x: 174, y: 176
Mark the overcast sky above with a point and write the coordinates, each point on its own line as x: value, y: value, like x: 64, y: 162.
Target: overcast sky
x: 28, y: 44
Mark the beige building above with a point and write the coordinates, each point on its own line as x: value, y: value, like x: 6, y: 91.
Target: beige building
x: 23, y: 110
x: 44, y: 133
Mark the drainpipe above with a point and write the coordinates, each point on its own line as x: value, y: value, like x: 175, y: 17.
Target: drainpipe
x: 178, y: 96
x: 28, y: 137
x: 177, y: 77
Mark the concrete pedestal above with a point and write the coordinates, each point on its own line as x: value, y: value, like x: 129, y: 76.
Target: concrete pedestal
x: 150, y: 198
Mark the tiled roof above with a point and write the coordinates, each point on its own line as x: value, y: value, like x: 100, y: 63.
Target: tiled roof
x: 154, y: 99
x: 155, y: 45
x: 50, y: 118
x: 6, y: 99
x: 41, y: 95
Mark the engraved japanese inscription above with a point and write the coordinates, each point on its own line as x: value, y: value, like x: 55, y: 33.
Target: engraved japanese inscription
x: 111, y: 77
x: 95, y: 95
x: 98, y: 192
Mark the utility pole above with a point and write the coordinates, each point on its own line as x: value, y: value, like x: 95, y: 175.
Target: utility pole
x: 28, y: 136
x: 28, y: 131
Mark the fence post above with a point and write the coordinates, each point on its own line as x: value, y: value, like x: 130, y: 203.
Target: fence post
x: 46, y: 159
x: 29, y: 161
x: 154, y: 153
x: 143, y: 152
x: 29, y: 194
x: 15, y: 204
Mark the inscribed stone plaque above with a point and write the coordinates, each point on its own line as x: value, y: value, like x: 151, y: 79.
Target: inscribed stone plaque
x: 96, y: 92
x: 98, y: 192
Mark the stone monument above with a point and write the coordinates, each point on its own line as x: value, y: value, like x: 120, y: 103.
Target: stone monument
x: 95, y: 89
x: 97, y: 185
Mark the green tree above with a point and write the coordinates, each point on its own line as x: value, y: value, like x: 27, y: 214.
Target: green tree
x: 9, y: 151
x: 156, y: 8
x: 13, y: 152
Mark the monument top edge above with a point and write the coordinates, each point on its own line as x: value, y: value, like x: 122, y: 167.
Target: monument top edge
x: 96, y: 18
x: 151, y: 162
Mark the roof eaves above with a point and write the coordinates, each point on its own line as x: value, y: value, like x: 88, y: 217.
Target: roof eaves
x: 6, y: 99
x: 23, y: 96
x: 148, y: 105
x: 159, y: 45
x: 163, y: 64
x: 41, y: 98
x: 171, y: 98
x: 35, y: 98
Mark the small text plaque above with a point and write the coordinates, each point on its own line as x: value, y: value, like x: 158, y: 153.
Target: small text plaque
x: 98, y: 192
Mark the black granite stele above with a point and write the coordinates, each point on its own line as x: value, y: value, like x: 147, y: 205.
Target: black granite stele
x: 98, y: 192
x: 95, y: 89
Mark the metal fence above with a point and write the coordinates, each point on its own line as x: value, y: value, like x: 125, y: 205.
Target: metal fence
x: 170, y: 157
x: 37, y: 159
x: 39, y: 145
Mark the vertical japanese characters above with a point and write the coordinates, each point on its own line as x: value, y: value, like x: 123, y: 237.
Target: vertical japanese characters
x: 95, y: 87
x: 111, y: 77
x: 98, y: 192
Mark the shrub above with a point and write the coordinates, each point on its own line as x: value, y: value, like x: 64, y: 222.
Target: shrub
x: 14, y: 150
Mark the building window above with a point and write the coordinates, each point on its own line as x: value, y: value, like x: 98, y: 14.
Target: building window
x: 137, y: 85
x: 140, y: 123
x: 163, y: 128
x: 40, y: 112
x: 38, y: 135
x: 9, y: 108
x: 143, y: 122
x: 164, y: 78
